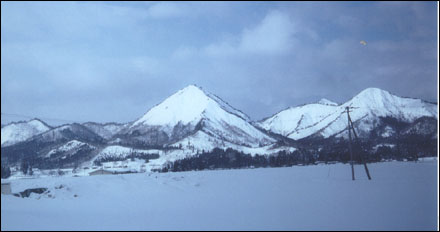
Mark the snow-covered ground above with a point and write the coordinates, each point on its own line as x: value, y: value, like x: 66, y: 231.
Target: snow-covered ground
x: 401, y: 196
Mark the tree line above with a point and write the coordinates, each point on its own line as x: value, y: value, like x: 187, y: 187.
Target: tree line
x: 410, y: 148
x: 132, y: 156
x: 230, y: 158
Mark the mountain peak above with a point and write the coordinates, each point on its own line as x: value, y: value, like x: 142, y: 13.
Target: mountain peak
x: 38, y: 122
x: 192, y: 109
x: 373, y: 91
x: 20, y: 131
x: 374, y: 97
x: 185, y: 106
x: 35, y: 122
x: 190, y: 91
x: 192, y: 87
x: 325, y: 101
x: 370, y: 104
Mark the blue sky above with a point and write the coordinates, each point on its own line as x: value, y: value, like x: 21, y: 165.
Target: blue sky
x: 112, y: 61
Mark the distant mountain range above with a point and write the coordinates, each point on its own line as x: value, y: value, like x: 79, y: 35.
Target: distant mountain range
x: 326, y: 118
x: 20, y: 131
x: 193, y: 121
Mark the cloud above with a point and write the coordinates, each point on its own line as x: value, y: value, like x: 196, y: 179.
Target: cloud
x: 273, y: 35
x: 173, y: 10
x: 184, y: 52
x: 163, y: 10
x: 146, y: 65
x: 260, y: 57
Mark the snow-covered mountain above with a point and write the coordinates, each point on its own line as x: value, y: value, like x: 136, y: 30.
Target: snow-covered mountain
x: 193, y: 121
x: 325, y: 101
x: 331, y: 120
x: 68, y: 132
x: 106, y: 130
x: 71, y: 146
x: 67, y: 145
x: 73, y: 152
x: 422, y: 126
x: 20, y: 131
x: 198, y: 117
x: 121, y: 153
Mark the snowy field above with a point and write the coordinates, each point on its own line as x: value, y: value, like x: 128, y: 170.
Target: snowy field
x: 401, y: 196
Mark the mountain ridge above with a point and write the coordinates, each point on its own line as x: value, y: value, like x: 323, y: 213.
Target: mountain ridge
x: 371, y: 103
x: 189, y: 110
x: 193, y: 121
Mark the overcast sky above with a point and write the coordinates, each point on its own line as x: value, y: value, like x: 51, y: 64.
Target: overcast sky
x: 112, y: 61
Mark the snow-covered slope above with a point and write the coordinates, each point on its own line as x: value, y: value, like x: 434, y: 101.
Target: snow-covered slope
x: 191, y: 110
x: 123, y: 152
x: 185, y: 106
x: 68, y: 132
x: 422, y: 126
x: 106, y: 130
x: 328, y: 120
x: 324, y: 101
x: 298, y: 118
x: 21, y: 131
x: 201, y: 141
x: 71, y: 147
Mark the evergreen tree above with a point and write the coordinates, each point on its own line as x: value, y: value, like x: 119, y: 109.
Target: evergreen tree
x: 30, y: 171
x: 24, y: 167
x: 5, y: 172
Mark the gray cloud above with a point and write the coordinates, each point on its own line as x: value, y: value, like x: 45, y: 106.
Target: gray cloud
x: 112, y: 61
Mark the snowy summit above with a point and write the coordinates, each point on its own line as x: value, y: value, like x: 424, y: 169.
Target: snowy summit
x: 201, y: 117
x: 325, y: 101
x: 17, y: 132
x: 329, y: 119
x: 186, y: 106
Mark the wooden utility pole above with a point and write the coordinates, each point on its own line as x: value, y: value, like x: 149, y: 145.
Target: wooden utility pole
x: 360, y: 154
x: 349, y: 144
x: 351, y: 127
